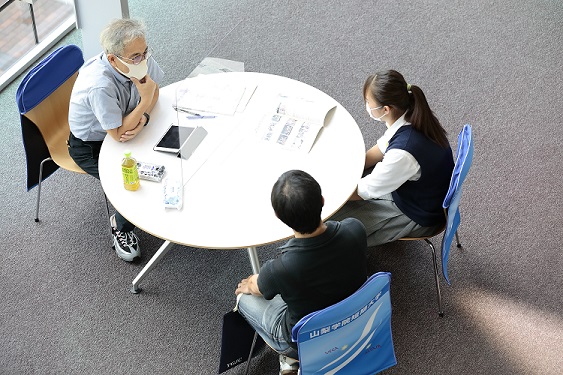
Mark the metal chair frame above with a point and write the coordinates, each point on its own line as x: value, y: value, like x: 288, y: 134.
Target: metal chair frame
x: 435, y: 263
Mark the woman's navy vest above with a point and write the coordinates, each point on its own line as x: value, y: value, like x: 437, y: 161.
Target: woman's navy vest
x: 422, y: 200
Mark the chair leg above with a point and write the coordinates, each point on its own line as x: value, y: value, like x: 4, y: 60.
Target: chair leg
x: 107, y: 208
x: 458, y: 243
x: 39, y: 189
x: 436, y: 277
x: 250, y: 355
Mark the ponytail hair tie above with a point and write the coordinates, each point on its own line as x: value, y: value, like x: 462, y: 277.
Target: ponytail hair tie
x: 408, y: 87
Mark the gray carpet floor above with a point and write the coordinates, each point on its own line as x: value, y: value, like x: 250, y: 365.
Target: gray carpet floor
x: 64, y: 301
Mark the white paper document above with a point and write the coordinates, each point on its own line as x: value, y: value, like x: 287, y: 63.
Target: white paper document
x: 294, y: 123
x: 199, y: 95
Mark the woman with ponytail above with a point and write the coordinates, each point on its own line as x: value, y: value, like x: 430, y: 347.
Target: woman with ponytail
x: 412, y: 164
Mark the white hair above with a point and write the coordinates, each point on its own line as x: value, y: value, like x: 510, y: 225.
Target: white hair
x: 119, y: 33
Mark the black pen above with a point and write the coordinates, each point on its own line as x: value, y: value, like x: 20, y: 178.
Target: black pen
x: 186, y: 111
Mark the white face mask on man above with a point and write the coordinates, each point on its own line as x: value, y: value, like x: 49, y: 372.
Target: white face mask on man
x: 138, y: 71
x: 368, y: 109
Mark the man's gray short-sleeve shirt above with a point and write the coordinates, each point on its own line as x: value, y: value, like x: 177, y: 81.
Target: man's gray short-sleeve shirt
x: 101, y: 97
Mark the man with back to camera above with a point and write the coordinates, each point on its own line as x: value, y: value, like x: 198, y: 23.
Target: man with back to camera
x: 322, y: 265
x: 114, y: 94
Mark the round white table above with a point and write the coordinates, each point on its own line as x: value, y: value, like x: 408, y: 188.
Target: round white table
x: 228, y: 180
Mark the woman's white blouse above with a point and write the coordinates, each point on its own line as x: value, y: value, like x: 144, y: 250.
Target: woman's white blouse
x: 397, y: 167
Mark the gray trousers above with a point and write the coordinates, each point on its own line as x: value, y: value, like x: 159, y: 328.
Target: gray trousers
x: 383, y: 220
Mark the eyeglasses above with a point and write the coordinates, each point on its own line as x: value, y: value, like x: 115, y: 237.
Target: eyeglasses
x: 138, y: 58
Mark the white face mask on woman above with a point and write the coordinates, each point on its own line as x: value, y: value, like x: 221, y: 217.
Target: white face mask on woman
x: 368, y: 109
x: 138, y: 71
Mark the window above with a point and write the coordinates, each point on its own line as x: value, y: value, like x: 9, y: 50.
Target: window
x: 28, y: 28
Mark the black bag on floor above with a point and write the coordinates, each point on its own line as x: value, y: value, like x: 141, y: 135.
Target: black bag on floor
x: 237, y: 341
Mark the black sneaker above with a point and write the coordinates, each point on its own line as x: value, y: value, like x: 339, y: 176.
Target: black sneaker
x: 126, y: 244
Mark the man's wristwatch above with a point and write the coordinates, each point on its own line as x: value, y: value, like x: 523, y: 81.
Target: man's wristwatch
x: 147, y: 117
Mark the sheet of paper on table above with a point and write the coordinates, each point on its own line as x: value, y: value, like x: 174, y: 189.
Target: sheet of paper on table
x: 199, y: 95
x: 294, y: 123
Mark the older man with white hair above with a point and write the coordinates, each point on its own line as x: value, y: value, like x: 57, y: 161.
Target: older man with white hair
x: 114, y: 94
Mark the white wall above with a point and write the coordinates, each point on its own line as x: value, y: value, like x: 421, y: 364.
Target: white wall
x: 92, y: 16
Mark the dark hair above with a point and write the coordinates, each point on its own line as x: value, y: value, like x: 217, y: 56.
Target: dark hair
x: 390, y: 88
x: 297, y: 201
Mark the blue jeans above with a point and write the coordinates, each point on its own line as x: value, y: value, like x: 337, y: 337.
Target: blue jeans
x: 267, y: 318
x: 85, y: 155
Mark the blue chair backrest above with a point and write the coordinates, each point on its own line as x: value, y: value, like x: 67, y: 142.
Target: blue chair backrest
x: 463, y: 162
x: 349, y: 337
x: 47, y: 76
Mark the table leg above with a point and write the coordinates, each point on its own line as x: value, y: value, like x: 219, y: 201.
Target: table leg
x: 254, y: 261
x: 166, y: 246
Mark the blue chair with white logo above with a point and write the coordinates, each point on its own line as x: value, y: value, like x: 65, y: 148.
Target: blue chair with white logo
x: 350, y: 337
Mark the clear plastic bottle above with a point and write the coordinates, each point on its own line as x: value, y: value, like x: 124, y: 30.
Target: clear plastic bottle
x: 130, y: 173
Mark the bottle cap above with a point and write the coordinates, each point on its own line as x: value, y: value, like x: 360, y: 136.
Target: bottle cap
x: 127, y: 153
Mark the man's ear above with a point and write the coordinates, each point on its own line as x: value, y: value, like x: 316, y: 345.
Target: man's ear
x: 323, y: 198
x: 111, y: 58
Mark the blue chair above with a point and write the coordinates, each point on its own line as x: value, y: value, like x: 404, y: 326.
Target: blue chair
x: 451, y: 202
x: 349, y: 337
x: 451, y: 209
x: 43, y: 99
